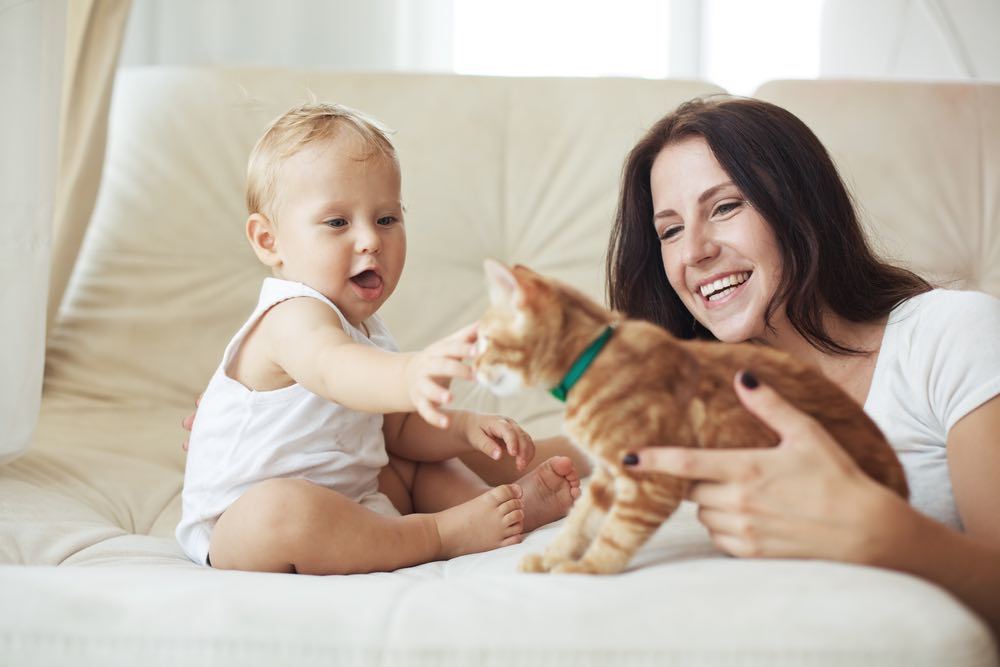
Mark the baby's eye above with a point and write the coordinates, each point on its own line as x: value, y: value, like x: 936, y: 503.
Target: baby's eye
x: 670, y: 232
x: 725, y: 208
x: 388, y: 220
x: 336, y: 222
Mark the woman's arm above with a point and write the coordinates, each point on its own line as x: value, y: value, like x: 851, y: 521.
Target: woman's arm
x: 974, y: 465
x: 806, y: 498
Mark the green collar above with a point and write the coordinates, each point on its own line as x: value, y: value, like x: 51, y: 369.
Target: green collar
x: 581, y: 364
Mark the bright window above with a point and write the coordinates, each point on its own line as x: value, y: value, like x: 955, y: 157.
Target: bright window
x: 562, y: 38
x: 737, y: 44
x: 747, y: 43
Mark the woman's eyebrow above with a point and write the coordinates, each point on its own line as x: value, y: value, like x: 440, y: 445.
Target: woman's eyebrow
x: 707, y: 194
x: 712, y: 190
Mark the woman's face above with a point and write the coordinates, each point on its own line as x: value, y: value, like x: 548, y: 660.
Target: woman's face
x: 719, y: 254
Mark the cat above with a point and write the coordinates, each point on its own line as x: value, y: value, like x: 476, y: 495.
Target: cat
x: 643, y: 388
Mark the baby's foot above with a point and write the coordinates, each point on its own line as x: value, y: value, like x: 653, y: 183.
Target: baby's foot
x: 549, y: 490
x: 494, y: 519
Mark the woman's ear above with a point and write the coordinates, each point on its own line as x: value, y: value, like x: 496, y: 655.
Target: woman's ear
x: 502, y: 284
x: 260, y: 233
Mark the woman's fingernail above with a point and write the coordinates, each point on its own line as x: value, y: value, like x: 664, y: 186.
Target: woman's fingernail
x: 748, y: 380
x: 630, y: 459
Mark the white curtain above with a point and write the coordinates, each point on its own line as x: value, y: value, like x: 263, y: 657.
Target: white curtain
x: 31, y: 59
x: 94, y: 34
x: 911, y: 39
x: 350, y: 34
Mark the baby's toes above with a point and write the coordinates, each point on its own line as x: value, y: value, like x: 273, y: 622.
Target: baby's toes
x: 505, y: 493
x: 513, y: 539
x: 513, y: 517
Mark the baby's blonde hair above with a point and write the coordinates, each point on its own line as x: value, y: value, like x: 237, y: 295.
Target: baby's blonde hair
x: 296, y: 129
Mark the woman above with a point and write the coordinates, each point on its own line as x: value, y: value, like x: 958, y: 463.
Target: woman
x: 733, y: 224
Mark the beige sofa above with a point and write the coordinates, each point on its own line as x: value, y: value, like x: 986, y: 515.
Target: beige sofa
x: 524, y: 170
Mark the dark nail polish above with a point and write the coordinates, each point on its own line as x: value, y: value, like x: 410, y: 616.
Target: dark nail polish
x: 748, y: 380
x: 630, y: 459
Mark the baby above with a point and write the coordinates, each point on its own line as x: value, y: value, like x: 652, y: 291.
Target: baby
x: 319, y: 447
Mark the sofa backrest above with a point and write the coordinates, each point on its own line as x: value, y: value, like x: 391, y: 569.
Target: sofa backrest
x: 923, y: 161
x: 522, y: 170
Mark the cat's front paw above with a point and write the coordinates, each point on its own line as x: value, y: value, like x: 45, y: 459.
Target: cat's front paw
x: 574, y: 567
x: 533, y: 563
x: 587, y: 566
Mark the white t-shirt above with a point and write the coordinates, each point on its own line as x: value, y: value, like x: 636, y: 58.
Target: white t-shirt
x: 939, y: 360
x: 242, y: 437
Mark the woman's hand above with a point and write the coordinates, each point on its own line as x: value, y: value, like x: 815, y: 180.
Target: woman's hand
x: 804, y: 498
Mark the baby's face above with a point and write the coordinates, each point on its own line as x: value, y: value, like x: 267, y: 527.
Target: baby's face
x: 340, y: 224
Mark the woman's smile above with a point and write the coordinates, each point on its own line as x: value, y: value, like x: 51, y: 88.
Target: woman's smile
x: 722, y: 288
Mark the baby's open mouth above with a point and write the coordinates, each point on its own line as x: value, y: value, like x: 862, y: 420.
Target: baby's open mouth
x: 367, y: 279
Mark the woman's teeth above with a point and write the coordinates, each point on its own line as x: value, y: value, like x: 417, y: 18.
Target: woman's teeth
x: 723, y: 286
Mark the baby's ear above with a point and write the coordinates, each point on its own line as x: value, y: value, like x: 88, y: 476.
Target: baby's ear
x: 502, y: 284
x: 260, y: 233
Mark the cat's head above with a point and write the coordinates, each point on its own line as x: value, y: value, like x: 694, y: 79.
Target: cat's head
x: 523, y: 334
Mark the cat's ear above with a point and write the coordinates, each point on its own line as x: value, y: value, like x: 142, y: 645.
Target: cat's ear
x: 502, y: 284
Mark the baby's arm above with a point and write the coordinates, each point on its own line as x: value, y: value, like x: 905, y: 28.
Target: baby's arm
x: 305, y: 339
x: 411, y: 437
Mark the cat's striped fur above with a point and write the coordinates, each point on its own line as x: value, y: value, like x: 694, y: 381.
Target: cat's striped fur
x: 645, y: 388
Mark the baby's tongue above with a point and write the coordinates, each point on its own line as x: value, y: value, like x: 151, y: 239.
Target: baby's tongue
x: 367, y: 279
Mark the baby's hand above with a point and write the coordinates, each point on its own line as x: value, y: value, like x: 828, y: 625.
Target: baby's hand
x: 429, y: 373
x: 491, y: 434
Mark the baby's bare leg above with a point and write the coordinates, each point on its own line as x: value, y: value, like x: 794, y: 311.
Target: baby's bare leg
x: 549, y: 488
x: 441, y: 485
x: 462, y: 500
x: 291, y: 525
x: 428, y: 486
x: 467, y: 511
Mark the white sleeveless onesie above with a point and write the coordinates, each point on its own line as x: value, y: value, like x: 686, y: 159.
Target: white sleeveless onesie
x: 242, y: 437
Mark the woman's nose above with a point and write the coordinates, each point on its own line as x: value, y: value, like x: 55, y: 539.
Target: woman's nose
x: 698, y: 245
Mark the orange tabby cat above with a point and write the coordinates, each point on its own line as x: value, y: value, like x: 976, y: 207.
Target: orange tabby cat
x: 641, y: 388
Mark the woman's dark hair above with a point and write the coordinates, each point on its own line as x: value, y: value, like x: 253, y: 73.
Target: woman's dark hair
x: 785, y: 173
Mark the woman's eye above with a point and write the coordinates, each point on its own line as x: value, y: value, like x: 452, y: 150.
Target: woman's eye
x: 336, y: 222
x: 387, y: 220
x: 670, y: 232
x: 726, y: 208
